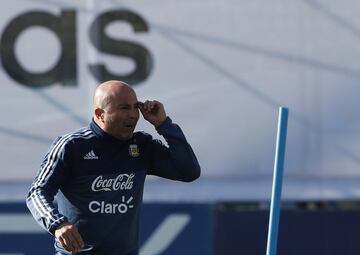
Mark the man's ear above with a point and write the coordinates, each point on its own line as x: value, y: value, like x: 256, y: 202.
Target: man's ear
x: 99, y: 114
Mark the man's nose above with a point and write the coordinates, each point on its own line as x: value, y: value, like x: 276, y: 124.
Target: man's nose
x: 134, y: 113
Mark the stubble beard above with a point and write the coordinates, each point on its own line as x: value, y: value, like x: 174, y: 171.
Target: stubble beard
x: 118, y: 130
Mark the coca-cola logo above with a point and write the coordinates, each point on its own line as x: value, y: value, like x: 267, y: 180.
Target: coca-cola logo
x: 121, y: 182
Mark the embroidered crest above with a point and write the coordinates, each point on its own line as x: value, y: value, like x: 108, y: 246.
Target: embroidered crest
x: 134, y: 150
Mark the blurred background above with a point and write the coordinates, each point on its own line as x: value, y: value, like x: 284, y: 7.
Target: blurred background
x: 222, y: 69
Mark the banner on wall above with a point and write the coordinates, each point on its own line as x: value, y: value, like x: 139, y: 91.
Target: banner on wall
x: 165, y: 229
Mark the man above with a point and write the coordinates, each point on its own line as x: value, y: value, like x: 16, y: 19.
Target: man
x: 98, y: 174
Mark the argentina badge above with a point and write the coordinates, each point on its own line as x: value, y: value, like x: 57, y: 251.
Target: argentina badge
x: 134, y: 150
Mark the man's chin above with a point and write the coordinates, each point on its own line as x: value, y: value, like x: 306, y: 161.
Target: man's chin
x: 123, y: 135
x: 128, y: 135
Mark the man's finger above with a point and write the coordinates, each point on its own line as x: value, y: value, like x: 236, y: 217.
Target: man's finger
x: 151, y: 106
x: 139, y: 104
x: 147, y: 105
x: 141, y: 108
x: 62, y: 242
x: 65, y: 243
x: 77, y: 239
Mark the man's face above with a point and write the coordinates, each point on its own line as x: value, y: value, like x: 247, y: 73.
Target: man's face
x: 121, y: 115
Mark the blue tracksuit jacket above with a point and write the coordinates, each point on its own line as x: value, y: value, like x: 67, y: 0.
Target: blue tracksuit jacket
x: 99, y: 183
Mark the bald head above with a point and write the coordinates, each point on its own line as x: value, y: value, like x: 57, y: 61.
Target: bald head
x: 108, y: 91
x: 115, y: 109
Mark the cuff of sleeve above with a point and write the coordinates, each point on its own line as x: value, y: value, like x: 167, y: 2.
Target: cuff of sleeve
x: 165, y: 125
x: 56, y: 224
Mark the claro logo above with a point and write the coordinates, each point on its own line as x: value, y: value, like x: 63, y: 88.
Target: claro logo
x: 64, y: 27
x: 108, y: 208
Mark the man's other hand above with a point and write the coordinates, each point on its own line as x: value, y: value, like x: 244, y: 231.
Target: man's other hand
x: 69, y: 237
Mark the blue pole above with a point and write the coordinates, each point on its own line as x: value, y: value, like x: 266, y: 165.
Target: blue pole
x: 277, y: 182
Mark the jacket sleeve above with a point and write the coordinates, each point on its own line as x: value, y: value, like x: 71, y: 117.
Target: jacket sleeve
x: 177, y: 161
x: 50, y: 177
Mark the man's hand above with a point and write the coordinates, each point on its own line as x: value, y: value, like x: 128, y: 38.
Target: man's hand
x: 153, y: 111
x: 69, y: 237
